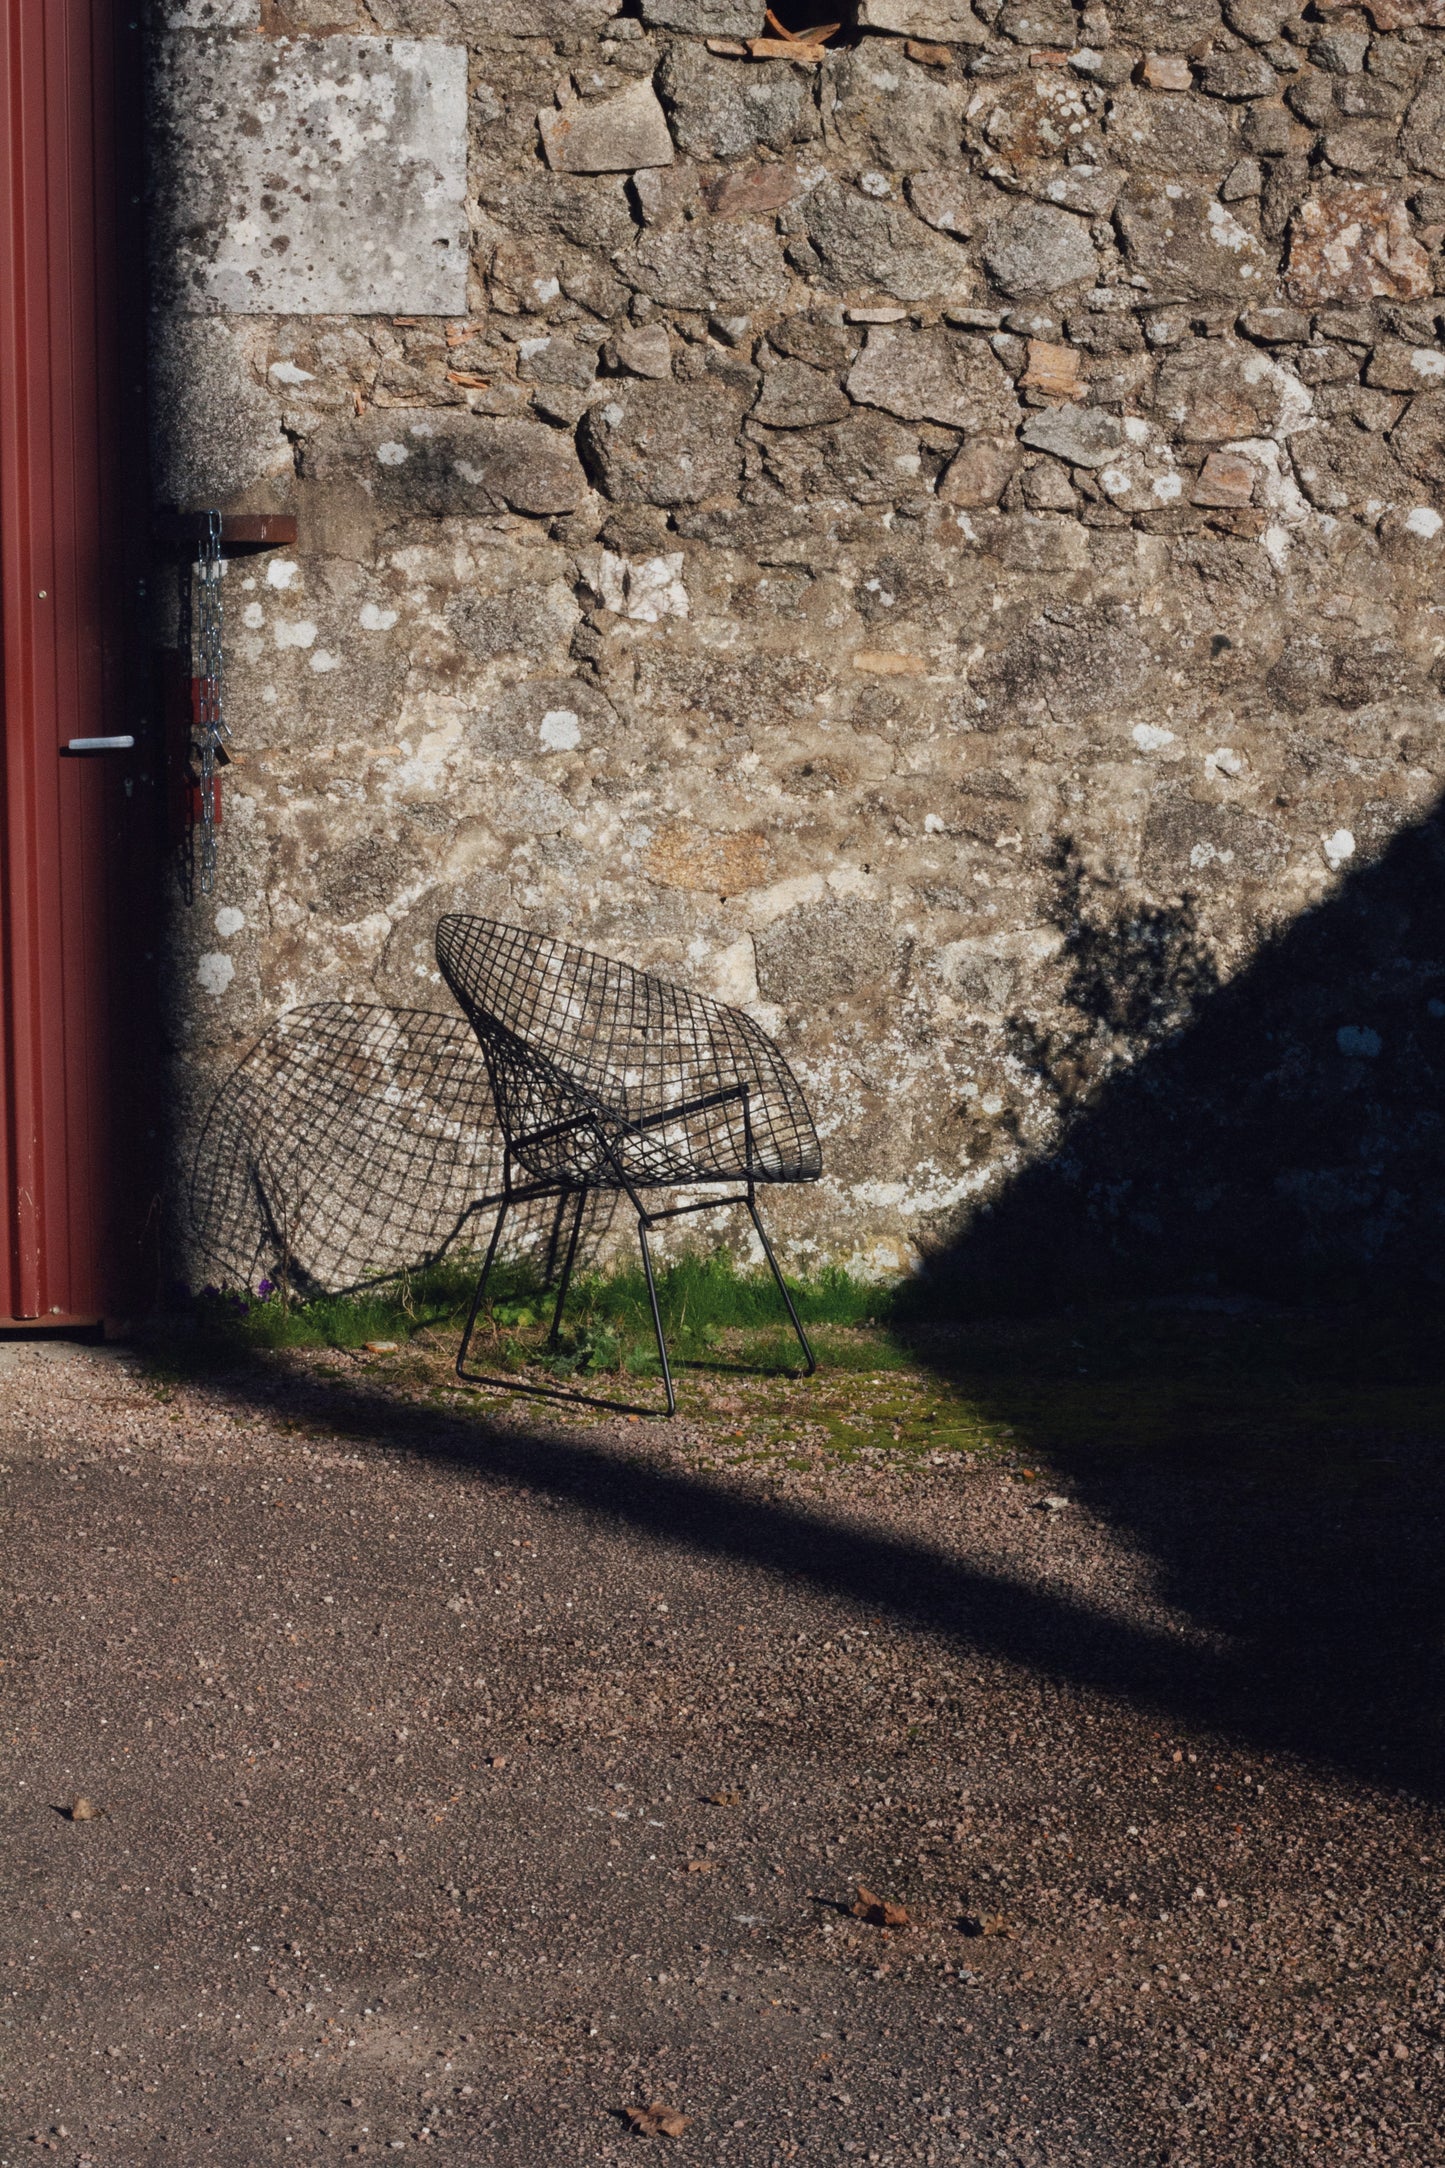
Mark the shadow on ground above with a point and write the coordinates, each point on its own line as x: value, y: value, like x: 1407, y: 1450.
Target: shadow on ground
x: 1307, y: 1561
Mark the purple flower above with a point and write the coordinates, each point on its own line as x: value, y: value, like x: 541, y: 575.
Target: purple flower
x: 265, y: 1288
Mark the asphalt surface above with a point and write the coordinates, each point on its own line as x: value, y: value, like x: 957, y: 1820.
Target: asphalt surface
x: 459, y: 1788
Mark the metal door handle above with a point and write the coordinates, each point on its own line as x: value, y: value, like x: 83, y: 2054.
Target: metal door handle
x: 100, y: 745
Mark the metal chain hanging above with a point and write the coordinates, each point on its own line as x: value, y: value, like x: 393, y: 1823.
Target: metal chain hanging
x: 211, y: 734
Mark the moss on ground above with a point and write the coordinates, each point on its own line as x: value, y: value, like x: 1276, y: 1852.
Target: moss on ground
x: 1278, y: 1394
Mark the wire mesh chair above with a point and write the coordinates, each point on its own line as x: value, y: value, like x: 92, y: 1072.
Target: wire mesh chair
x: 607, y: 1079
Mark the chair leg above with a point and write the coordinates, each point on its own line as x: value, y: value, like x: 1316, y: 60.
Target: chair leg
x: 656, y: 1316
x: 567, y: 1267
x: 482, y: 1284
x: 812, y: 1360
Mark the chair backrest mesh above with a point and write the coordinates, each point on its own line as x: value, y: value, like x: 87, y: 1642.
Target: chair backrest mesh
x: 567, y: 1033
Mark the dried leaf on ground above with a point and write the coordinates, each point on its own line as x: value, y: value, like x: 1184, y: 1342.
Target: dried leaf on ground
x: 985, y: 1923
x: 723, y: 1799
x: 701, y: 1866
x: 381, y: 1347
x: 656, y: 2120
x: 878, y: 1911
x: 84, y: 1810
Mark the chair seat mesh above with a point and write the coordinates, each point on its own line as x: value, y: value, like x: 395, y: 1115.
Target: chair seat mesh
x: 601, y: 1073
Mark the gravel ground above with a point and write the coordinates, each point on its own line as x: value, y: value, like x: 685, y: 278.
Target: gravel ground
x: 465, y: 1783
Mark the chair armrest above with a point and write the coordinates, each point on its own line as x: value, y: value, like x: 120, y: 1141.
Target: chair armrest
x: 683, y: 1107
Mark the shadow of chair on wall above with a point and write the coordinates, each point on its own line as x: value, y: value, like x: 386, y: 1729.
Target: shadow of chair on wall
x: 349, y: 1147
x: 1248, y: 1178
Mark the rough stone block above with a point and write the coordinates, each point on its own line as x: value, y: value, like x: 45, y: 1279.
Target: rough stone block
x: 1037, y: 249
x: 607, y: 135
x: 1419, y: 437
x: 944, y: 200
x: 1167, y: 71
x: 1193, y: 846
x: 1240, y: 74
x: 642, y: 350
x: 979, y: 474
x: 1083, y: 436
x: 1422, y: 140
x: 833, y: 950
x: 1165, y: 26
x: 539, y: 715
x: 210, y: 15
x: 1171, y: 136
x: 1365, y: 147
x: 1187, y: 245
x: 1211, y: 391
x: 1029, y: 23
x: 451, y: 465
x: 1052, y: 369
x: 687, y: 856
x: 1276, y: 327
x: 214, y: 430
x: 526, y: 617
x: 1354, y: 243
x: 706, y: 18
x: 754, y: 191
x: 557, y: 360
x: 719, y: 264
x: 1094, y: 190
x: 1396, y: 365
x: 346, y: 198
x: 867, y: 245
x: 797, y: 397
x: 1077, y: 661
x: 1343, y: 468
x: 665, y: 444
x: 1261, y: 21
x: 719, y: 109
x: 948, y: 22
x: 1046, y: 488
x: 1226, y: 478
x: 890, y: 115
x: 1242, y: 181
x: 1270, y: 130
x: 936, y: 376
x: 492, y: 22
x: 867, y: 458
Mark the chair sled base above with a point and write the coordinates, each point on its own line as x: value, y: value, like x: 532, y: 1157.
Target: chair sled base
x: 510, y: 1196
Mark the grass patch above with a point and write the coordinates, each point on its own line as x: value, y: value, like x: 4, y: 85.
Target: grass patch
x: 607, y: 1328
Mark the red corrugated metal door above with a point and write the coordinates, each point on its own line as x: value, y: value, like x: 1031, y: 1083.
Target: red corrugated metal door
x: 72, y: 873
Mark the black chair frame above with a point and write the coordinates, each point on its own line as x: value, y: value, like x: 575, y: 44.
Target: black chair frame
x: 531, y: 1192
x: 608, y: 1045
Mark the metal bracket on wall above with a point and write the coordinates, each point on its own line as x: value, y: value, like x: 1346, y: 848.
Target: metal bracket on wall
x: 241, y: 532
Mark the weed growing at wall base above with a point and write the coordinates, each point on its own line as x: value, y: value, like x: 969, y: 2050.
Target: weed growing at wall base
x: 607, y: 1326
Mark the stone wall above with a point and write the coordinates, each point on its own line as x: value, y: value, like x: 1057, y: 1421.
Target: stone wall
x: 844, y: 531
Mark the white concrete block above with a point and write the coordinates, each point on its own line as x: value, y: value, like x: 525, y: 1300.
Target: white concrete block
x: 312, y: 176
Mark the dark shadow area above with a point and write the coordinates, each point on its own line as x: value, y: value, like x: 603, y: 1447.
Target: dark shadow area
x: 1268, y: 1152
x: 1279, y: 1135
x: 1322, y: 1653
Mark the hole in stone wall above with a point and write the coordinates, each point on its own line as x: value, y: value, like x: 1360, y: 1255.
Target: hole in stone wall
x: 803, y: 18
